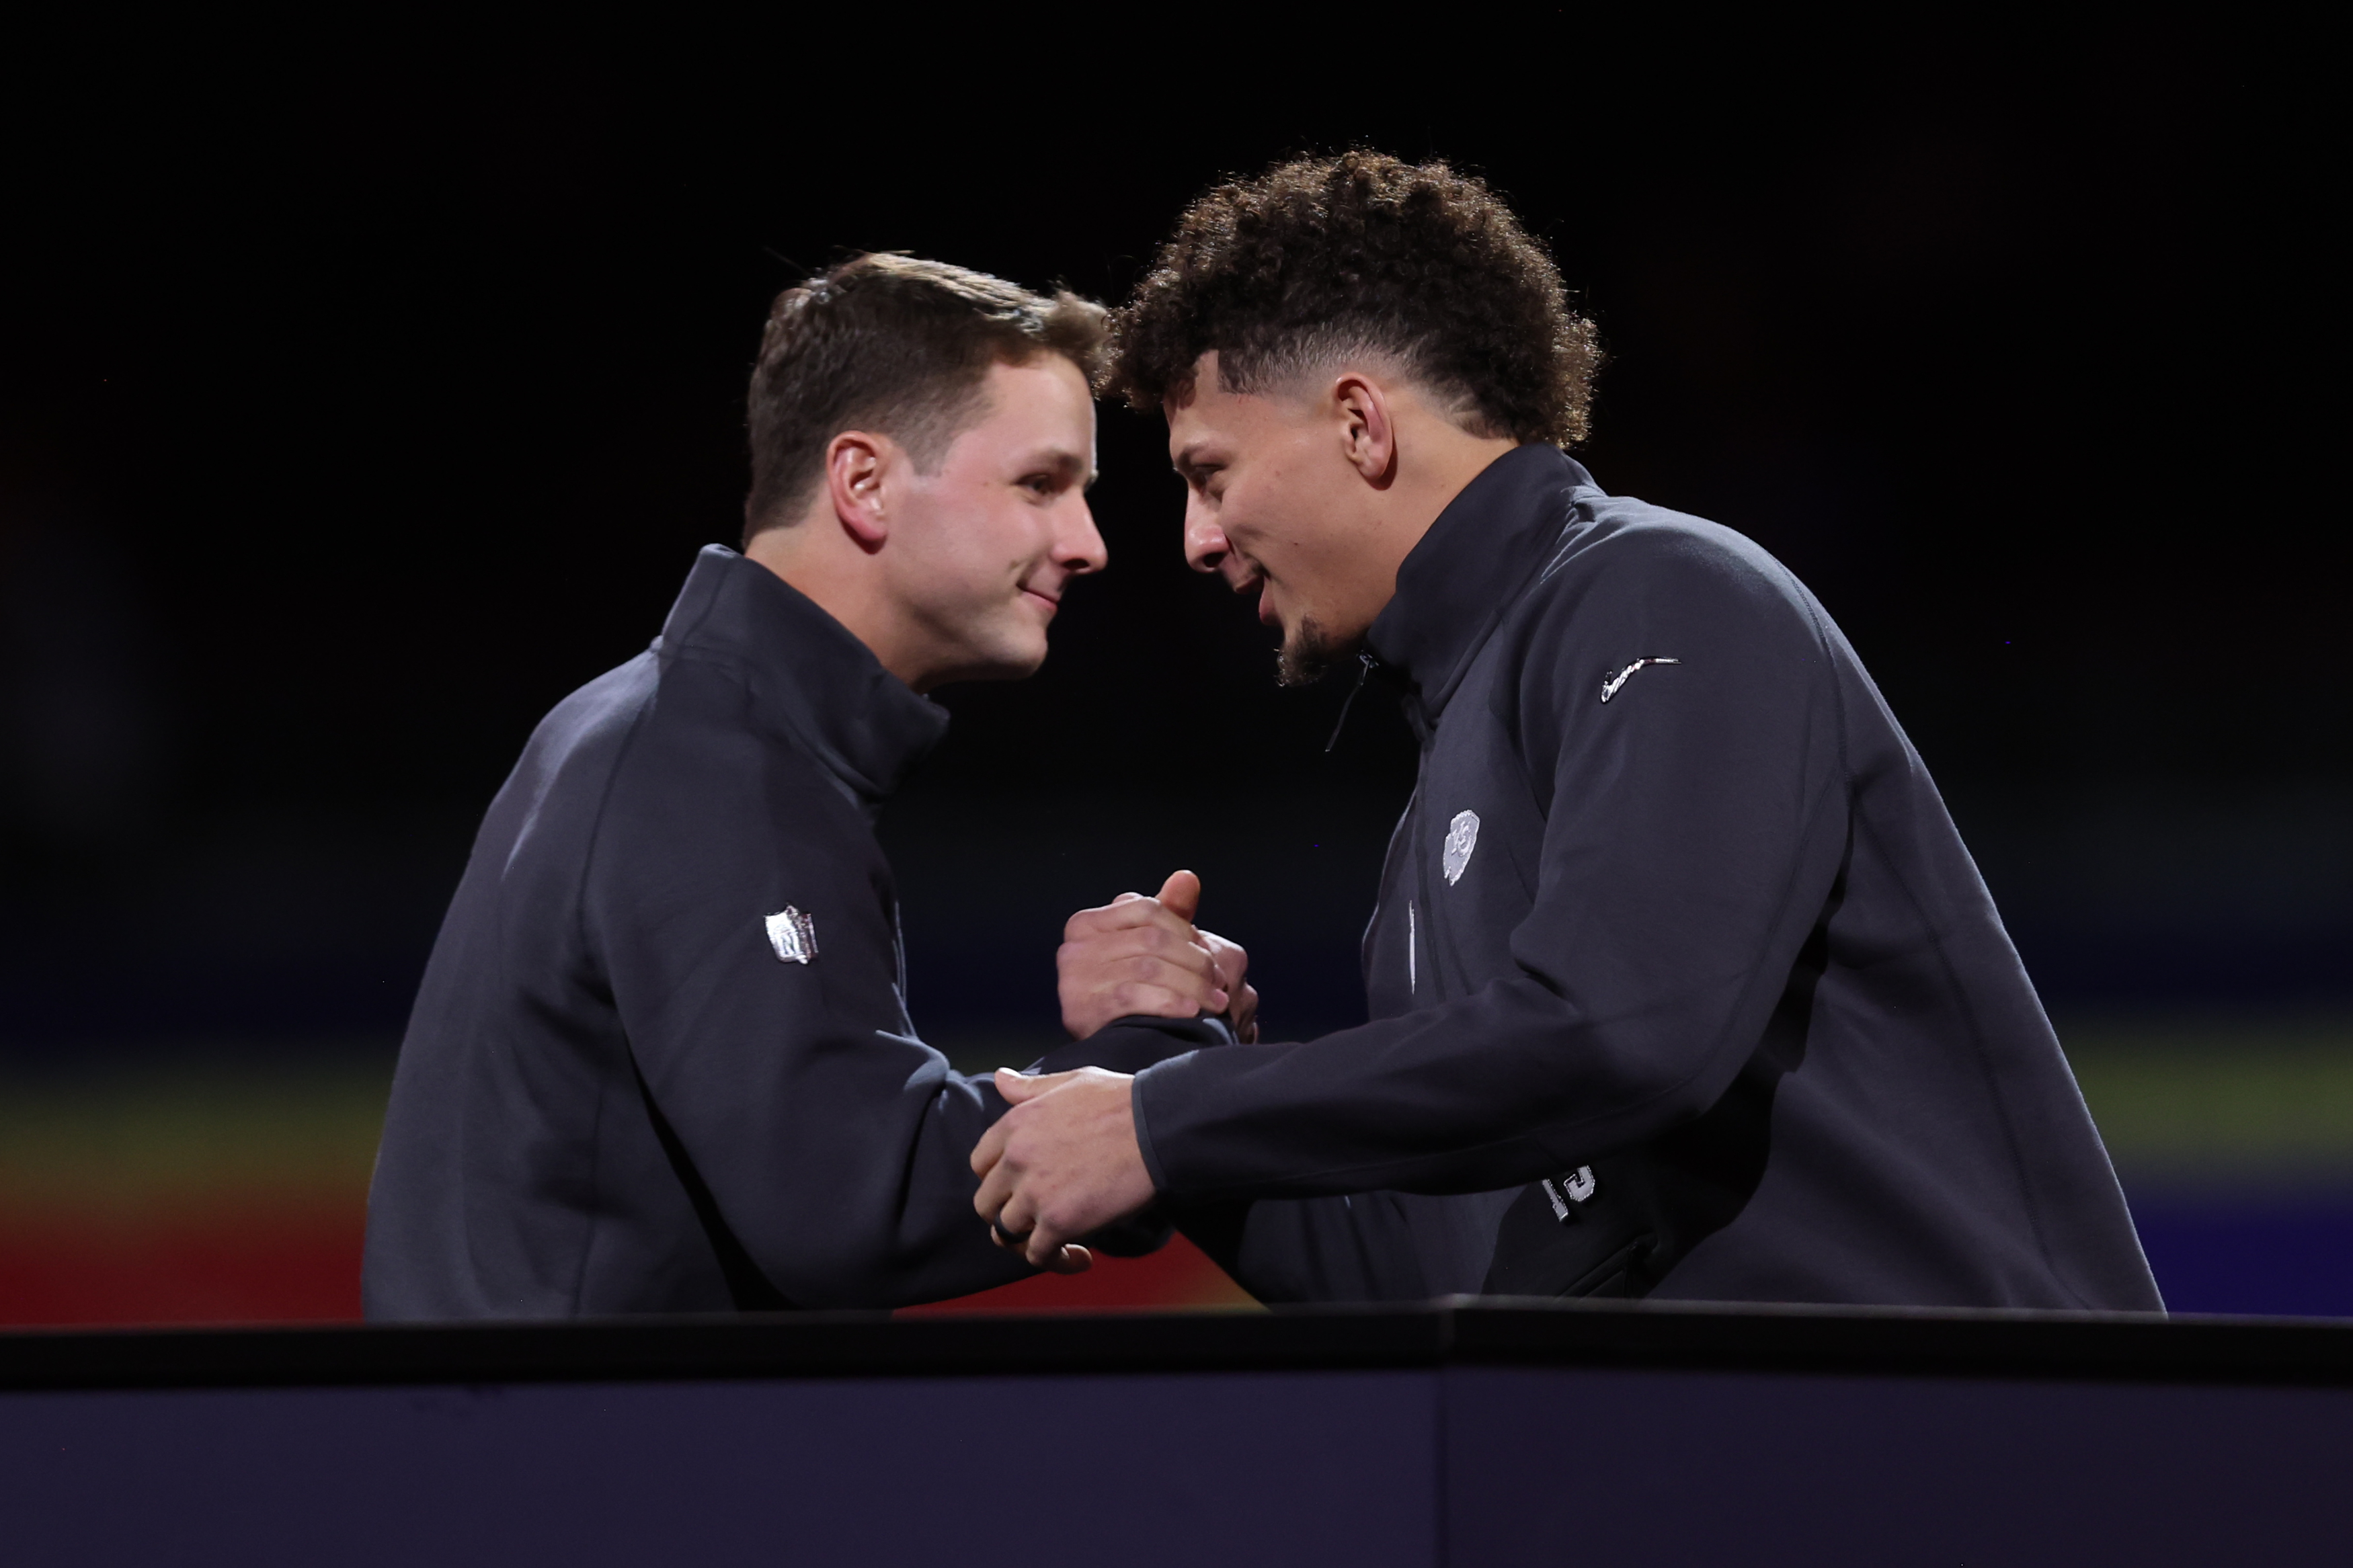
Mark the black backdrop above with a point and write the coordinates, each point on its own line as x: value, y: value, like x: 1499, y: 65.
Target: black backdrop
x: 362, y: 397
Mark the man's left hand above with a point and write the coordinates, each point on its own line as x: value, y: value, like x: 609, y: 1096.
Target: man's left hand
x: 1063, y: 1162
x: 1145, y: 956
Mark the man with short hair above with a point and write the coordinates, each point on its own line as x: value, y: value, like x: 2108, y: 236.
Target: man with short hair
x: 662, y: 1059
x: 1681, y: 984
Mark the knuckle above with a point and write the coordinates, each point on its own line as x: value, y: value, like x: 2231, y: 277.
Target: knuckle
x: 1131, y: 998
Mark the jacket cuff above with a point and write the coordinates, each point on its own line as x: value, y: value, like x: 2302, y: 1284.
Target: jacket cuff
x: 1169, y: 1089
x: 1131, y: 1045
x: 1152, y: 1166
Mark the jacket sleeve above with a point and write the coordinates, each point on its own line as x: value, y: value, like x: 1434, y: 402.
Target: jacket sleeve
x: 831, y: 1140
x: 1694, y: 827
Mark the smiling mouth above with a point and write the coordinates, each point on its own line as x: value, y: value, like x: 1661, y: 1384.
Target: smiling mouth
x: 1050, y: 603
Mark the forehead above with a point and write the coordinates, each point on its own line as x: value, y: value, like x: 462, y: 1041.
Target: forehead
x: 1049, y: 387
x: 1213, y: 417
x: 1046, y: 400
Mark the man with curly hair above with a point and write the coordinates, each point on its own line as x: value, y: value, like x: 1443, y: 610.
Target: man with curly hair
x: 1681, y: 984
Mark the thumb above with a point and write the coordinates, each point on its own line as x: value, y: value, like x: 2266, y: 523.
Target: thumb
x: 1180, y: 895
x: 1016, y: 1087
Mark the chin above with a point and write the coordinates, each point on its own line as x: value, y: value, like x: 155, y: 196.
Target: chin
x: 1012, y: 660
x: 1310, y: 653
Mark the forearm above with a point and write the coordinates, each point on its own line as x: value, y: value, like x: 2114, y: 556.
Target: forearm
x: 859, y: 1195
x: 891, y: 1153
x: 1499, y: 1088
x: 1533, y: 1073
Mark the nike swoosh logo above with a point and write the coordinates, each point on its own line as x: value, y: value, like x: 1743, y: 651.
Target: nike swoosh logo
x: 1610, y: 687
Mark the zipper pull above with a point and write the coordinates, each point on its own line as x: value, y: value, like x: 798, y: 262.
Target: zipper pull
x: 1363, y: 671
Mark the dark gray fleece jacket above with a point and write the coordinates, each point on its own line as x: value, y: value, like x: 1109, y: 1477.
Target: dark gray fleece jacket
x: 662, y: 1059
x: 1682, y: 981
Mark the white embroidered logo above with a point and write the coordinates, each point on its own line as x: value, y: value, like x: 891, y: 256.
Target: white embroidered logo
x: 793, y: 934
x: 1462, y: 837
x: 1578, y: 1187
x: 1610, y: 687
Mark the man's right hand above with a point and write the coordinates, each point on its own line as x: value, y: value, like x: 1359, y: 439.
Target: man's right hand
x: 1139, y: 955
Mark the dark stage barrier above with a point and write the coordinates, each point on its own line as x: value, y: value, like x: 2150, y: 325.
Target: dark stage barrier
x: 1458, y: 1433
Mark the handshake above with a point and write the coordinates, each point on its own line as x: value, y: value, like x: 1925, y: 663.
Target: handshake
x: 1065, y: 1160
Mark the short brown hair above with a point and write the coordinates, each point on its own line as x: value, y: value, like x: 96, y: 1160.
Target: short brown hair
x: 898, y: 345
x: 1364, y: 252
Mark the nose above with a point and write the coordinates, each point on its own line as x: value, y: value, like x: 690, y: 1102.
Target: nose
x: 1079, y: 547
x: 1205, y: 542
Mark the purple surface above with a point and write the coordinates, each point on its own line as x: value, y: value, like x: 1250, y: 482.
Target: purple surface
x: 1276, y: 1469
x: 1703, y: 1469
x: 1535, y: 1465
x: 2281, y: 1255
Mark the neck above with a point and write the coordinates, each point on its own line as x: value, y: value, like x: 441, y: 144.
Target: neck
x: 1440, y: 459
x: 1451, y: 461
x: 844, y: 582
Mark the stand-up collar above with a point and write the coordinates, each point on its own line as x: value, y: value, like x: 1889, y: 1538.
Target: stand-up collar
x: 807, y: 675
x: 1475, y: 560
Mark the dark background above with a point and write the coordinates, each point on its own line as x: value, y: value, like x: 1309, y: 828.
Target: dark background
x: 358, y: 406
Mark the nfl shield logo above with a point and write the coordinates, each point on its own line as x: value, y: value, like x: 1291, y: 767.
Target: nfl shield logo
x: 793, y: 934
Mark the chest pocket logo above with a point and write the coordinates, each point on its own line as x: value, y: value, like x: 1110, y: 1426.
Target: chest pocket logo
x: 792, y: 934
x: 1610, y: 687
x: 1462, y: 837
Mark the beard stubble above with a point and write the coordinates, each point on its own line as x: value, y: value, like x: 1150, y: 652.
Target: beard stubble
x: 1309, y: 654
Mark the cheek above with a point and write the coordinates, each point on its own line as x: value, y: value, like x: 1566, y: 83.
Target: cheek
x: 1032, y: 531
x: 967, y: 539
x: 1254, y: 524
x: 1002, y: 543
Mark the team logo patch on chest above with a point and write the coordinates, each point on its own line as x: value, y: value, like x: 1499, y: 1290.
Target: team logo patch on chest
x: 1462, y: 837
x: 793, y: 934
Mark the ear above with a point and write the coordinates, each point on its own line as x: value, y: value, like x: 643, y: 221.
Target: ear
x: 855, y: 465
x: 1368, y: 432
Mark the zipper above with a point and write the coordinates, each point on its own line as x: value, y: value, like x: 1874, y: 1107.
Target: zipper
x: 1363, y: 672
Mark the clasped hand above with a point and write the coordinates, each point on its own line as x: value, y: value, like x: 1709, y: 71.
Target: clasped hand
x: 1064, y: 1161
x: 1138, y: 955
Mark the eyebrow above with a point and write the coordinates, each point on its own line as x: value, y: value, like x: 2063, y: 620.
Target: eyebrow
x: 1068, y: 462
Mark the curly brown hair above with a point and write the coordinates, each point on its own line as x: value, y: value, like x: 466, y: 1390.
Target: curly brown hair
x: 1325, y: 257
